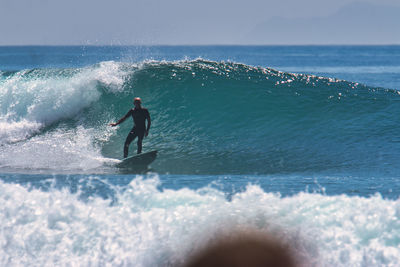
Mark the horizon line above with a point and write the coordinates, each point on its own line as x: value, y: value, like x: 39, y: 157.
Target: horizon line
x: 177, y: 45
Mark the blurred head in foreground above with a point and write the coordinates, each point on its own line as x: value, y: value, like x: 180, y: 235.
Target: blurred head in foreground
x: 248, y: 250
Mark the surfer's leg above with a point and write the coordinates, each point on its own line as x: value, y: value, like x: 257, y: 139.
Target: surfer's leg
x: 139, y: 146
x: 139, y: 142
x: 131, y: 136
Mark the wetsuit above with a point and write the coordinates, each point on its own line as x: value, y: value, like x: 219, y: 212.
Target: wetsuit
x: 139, y: 116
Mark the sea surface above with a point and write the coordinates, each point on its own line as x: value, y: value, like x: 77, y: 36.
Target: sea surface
x: 300, y: 142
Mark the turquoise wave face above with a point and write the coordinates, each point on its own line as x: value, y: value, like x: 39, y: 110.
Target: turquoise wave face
x: 207, y: 117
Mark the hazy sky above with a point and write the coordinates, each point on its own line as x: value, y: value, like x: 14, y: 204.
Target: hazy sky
x: 56, y: 22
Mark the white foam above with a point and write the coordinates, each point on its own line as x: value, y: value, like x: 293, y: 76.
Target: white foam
x: 58, y: 151
x: 11, y: 132
x: 152, y: 227
x: 32, y: 99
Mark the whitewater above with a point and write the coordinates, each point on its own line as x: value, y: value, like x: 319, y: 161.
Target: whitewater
x: 302, y: 143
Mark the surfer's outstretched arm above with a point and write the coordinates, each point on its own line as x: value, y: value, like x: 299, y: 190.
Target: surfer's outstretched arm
x: 122, y: 119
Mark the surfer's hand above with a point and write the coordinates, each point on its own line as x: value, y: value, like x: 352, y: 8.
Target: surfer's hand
x: 146, y: 133
x: 113, y: 124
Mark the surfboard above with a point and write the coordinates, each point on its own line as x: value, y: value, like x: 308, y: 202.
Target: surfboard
x: 142, y: 159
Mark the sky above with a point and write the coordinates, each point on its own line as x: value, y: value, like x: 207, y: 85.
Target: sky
x: 190, y: 22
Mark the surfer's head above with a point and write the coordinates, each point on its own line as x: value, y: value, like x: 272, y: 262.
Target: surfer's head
x: 137, y: 102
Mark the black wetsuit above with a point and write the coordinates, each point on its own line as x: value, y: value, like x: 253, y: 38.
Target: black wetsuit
x: 139, y: 118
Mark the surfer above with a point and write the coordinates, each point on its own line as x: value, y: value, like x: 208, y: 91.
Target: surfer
x: 139, y: 130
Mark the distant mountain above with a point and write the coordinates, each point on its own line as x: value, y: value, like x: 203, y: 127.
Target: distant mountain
x: 356, y: 23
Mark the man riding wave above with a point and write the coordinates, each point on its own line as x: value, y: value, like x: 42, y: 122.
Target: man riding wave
x: 139, y: 130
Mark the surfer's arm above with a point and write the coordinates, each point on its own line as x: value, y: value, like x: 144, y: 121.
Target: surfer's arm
x: 148, y: 123
x: 122, y: 119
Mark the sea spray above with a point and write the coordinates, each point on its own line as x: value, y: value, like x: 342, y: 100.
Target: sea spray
x: 41, y: 97
x: 148, y: 225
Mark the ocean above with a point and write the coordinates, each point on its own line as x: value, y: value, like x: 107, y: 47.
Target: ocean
x: 300, y: 142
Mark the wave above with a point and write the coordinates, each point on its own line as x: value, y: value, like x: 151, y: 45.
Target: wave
x: 46, y: 96
x: 207, y: 116
x: 147, y: 226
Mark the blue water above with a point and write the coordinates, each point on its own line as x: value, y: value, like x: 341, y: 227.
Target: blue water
x: 302, y: 142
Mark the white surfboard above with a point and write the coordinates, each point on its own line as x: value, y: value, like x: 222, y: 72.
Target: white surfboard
x: 143, y: 159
